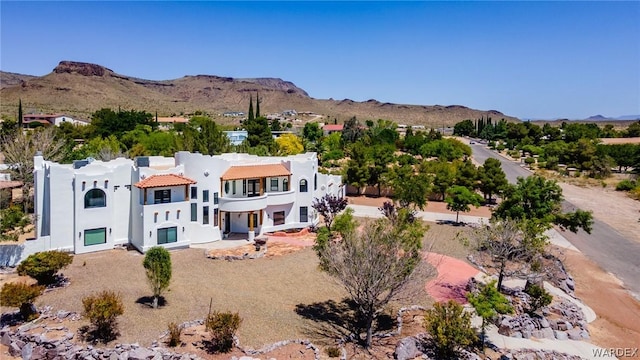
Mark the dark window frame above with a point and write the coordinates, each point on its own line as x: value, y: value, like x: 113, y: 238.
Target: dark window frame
x: 164, y: 233
x: 205, y: 195
x: 205, y: 215
x: 304, y: 185
x: 306, y: 214
x: 194, y: 192
x: 90, y: 201
x: 277, y: 185
x: 194, y: 212
x: 164, y: 198
x: 279, y: 217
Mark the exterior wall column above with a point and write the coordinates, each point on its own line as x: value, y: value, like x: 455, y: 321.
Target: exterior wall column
x: 145, y: 196
x: 186, y: 192
x: 252, y: 233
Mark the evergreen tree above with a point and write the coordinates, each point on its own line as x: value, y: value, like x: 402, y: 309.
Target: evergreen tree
x: 257, y: 105
x: 251, y: 117
x: 20, y: 113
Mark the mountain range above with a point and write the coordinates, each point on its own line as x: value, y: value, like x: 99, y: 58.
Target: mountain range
x: 78, y: 89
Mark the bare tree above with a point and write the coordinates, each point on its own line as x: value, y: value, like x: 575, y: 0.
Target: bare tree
x: 19, y: 150
x: 505, y: 247
x: 376, y: 265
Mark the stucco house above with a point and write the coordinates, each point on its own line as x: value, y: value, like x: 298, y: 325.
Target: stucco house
x: 174, y: 201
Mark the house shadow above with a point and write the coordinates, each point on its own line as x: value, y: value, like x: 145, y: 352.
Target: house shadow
x: 338, y: 320
x: 95, y: 335
x: 147, y: 301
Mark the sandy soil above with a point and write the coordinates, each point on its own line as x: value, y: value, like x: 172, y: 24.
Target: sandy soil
x: 432, y: 206
x: 612, y: 207
x: 608, y: 141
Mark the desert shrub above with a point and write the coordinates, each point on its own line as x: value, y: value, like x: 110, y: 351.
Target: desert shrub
x: 43, y: 266
x: 21, y: 295
x: 449, y: 328
x: 333, y: 352
x: 626, y: 185
x: 222, y: 326
x: 12, y: 217
x: 529, y: 161
x: 538, y: 297
x: 102, y: 310
x: 175, y: 331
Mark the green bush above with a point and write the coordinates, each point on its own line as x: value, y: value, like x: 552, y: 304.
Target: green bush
x: 449, y: 328
x: 175, y: 331
x: 626, y: 185
x: 529, y: 161
x: 43, y: 266
x: 157, y: 263
x: 102, y: 310
x: 22, y: 296
x: 222, y: 326
x: 538, y: 297
x: 12, y: 218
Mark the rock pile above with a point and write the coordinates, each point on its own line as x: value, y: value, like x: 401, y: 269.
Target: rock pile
x: 526, y: 354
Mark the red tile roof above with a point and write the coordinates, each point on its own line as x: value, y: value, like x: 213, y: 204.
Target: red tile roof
x: 333, y: 127
x: 255, y: 171
x: 154, y: 181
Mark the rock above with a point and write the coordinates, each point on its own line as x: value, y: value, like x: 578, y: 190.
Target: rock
x: 575, y: 334
x: 585, y: 334
x: 14, y: 349
x: 560, y: 335
x: 570, y: 283
x: 407, y: 348
x: 62, y: 314
x: 5, y: 339
x: 544, y: 323
x: 141, y: 354
x: 27, y: 351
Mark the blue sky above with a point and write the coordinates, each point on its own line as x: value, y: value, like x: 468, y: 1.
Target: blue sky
x: 526, y: 59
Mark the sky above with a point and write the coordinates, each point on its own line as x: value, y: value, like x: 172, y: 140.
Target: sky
x: 540, y: 60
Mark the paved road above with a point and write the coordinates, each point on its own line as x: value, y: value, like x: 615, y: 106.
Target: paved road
x: 604, y: 245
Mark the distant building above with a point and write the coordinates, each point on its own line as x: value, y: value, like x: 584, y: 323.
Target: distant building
x: 331, y: 128
x: 164, y: 122
x: 237, y: 136
x: 51, y: 119
x: 233, y: 114
x: 289, y: 113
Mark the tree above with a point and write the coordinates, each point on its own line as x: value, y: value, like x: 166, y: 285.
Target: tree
x: 382, y: 156
x: 506, y: 247
x: 492, y: 178
x: 488, y: 303
x: 102, y: 309
x: 357, y: 171
x: 289, y: 144
x: 449, y: 328
x: 329, y: 206
x: 464, y: 128
x: 157, y: 263
x: 250, y: 113
x: 21, y: 295
x: 409, y: 188
x: 223, y: 326
x: 312, y: 132
x: 460, y: 198
x: 538, y: 203
x: 43, y: 266
x: 375, y: 265
x: 466, y: 174
x: 12, y: 223
x: 258, y: 132
x: 204, y: 136
x: 351, y: 131
x: 20, y: 114
x: 444, y: 176
x: 19, y: 150
x: 258, y: 105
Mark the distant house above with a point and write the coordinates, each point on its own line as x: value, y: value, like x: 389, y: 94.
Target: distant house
x: 289, y: 113
x: 51, y: 119
x: 233, y: 114
x: 237, y: 136
x: 331, y: 128
x: 165, y: 121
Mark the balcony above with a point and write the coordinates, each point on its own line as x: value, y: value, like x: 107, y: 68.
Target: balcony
x: 281, y: 197
x: 241, y: 204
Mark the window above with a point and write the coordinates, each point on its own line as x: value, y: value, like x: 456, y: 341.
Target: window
x: 234, y: 187
x: 274, y: 184
x: 244, y: 187
x: 95, y: 198
x: 162, y: 196
x: 278, y: 218
x: 205, y: 195
x: 95, y: 236
x: 194, y: 212
x: 315, y: 181
x: 215, y: 217
x: 205, y: 215
x: 304, y: 211
x: 303, y: 185
x: 285, y: 185
x: 226, y: 187
x: 215, y: 198
x: 167, y: 235
x: 255, y: 220
x: 194, y: 192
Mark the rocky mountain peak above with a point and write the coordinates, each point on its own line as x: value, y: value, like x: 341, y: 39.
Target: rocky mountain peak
x: 81, y: 68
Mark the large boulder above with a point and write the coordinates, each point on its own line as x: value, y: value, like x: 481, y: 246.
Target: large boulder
x: 408, y: 348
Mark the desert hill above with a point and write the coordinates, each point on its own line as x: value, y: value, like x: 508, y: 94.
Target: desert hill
x: 78, y: 89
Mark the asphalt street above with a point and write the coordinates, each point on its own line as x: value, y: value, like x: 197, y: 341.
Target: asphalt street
x: 605, y: 246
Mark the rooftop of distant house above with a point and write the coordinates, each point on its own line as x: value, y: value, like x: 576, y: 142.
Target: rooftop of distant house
x: 173, y: 119
x: 333, y: 127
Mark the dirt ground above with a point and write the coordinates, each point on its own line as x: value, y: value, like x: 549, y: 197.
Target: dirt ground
x: 432, y: 206
x: 612, y: 207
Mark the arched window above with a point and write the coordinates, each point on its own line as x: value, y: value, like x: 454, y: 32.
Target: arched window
x: 303, y: 185
x: 95, y: 198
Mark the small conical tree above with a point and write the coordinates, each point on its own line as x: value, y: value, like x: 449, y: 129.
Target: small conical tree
x: 257, y: 104
x: 250, y: 116
x: 20, y: 113
x: 157, y: 263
